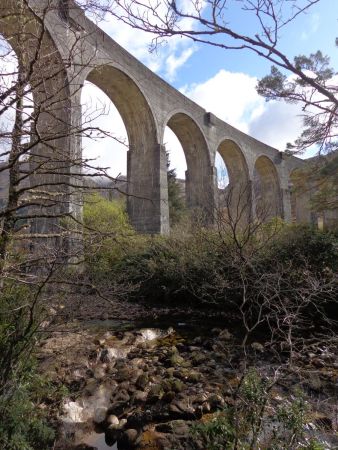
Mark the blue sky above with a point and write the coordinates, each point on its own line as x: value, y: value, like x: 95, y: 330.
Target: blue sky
x: 221, y: 81
x: 315, y: 30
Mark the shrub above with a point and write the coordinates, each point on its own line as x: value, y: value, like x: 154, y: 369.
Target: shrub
x: 22, y: 423
x: 305, y: 246
x: 107, y: 234
x: 253, y: 422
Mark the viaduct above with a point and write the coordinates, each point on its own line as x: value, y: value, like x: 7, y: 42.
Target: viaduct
x: 72, y: 49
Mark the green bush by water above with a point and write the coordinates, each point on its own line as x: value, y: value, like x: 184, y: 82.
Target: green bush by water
x: 23, y: 424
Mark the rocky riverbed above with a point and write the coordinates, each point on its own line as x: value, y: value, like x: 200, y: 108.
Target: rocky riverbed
x: 144, y: 383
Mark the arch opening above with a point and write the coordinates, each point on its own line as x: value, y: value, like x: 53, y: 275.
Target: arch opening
x: 234, y: 187
x: 144, y: 165
x: 267, y: 192
x: 104, y: 143
x: 199, y: 179
x: 176, y: 166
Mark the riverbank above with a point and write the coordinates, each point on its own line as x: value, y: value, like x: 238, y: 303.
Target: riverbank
x: 144, y: 377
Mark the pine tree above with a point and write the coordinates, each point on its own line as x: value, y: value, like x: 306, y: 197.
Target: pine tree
x: 175, y: 198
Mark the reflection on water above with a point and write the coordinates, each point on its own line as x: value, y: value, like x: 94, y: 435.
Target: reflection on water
x: 98, y: 441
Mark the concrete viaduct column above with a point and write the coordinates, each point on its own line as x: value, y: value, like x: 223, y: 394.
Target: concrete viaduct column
x: 53, y: 149
x: 201, y: 193
x: 147, y: 201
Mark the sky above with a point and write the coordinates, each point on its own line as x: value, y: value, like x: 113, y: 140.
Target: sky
x: 223, y: 82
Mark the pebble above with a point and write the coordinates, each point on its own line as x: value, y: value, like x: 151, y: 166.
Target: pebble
x: 100, y: 415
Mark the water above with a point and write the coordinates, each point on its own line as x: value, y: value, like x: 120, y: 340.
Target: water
x: 98, y: 440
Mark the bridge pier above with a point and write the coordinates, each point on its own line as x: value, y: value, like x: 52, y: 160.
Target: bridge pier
x: 147, y: 201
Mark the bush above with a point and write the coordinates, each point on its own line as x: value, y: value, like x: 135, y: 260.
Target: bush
x: 177, y: 270
x: 305, y: 246
x: 254, y: 422
x: 107, y: 234
x: 23, y: 425
x: 281, y: 272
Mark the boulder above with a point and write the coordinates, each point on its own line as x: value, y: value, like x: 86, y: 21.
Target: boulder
x: 100, y: 415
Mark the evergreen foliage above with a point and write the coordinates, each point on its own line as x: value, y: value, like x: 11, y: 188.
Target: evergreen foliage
x: 175, y: 199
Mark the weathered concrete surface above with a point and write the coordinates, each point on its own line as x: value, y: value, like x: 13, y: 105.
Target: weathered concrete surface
x: 147, y: 105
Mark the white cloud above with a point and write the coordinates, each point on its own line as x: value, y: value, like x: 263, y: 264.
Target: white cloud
x: 174, y: 62
x: 168, y: 56
x: 233, y: 98
x: 312, y: 25
x: 278, y: 124
x: 100, y: 112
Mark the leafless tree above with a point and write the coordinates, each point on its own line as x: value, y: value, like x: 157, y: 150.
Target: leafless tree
x: 42, y: 179
x: 218, y: 24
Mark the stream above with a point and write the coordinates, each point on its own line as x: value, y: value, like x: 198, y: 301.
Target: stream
x: 142, y: 384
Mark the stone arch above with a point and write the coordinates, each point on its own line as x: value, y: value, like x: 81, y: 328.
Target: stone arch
x: 267, y: 191
x: 131, y: 103
x: 200, y: 182
x: 146, y: 162
x: 235, y: 201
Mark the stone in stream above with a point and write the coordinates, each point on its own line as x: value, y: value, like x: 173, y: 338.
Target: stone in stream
x: 139, y: 397
x: 128, y: 439
x: 198, y: 358
x: 99, y: 373
x: 177, y: 385
x: 216, y: 401
x: 112, y: 420
x: 142, y: 381
x: 117, y: 408
x: 155, y: 393
x: 123, y: 374
x: 166, y: 386
x: 180, y: 427
x: 176, y: 359
x: 168, y: 396
x: 100, y: 415
x: 225, y: 335
x: 122, y: 396
x: 180, y: 410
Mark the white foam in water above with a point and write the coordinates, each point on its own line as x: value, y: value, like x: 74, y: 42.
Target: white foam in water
x: 150, y: 334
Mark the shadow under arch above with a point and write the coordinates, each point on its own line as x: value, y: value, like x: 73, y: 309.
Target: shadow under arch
x: 146, y: 163
x: 267, y: 191
x: 300, y: 197
x: 236, y: 199
x: 200, y: 180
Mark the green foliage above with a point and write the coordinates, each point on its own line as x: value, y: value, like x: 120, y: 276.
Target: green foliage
x: 106, y: 216
x: 292, y: 417
x: 319, y: 182
x: 177, y: 269
x: 19, y: 316
x: 243, y: 425
x: 177, y: 209
x: 304, y: 247
x: 216, y: 434
x: 22, y: 422
x: 312, y: 87
x: 107, y: 234
x: 202, y: 267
